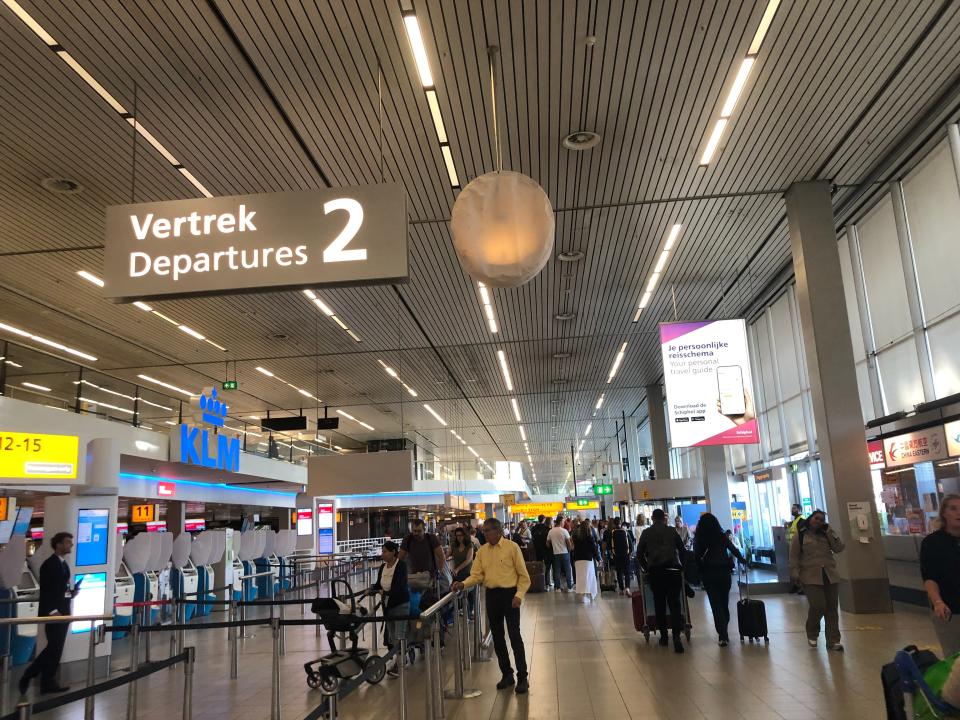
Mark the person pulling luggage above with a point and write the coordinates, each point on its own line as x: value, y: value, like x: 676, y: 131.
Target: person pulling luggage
x: 813, y: 564
x: 715, y: 553
x: 659, y: 551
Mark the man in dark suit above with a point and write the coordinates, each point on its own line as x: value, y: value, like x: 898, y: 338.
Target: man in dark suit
x: 55, y: 598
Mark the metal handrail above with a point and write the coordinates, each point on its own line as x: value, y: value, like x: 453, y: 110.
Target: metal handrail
x: 440, y: 604
x: 247, y: 577
x: 52, y: 619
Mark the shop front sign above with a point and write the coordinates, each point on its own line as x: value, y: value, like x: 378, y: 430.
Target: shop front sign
x: 256, y: 243
x: 875, y: 454
x: 952, y: 431
x: 915, y: 447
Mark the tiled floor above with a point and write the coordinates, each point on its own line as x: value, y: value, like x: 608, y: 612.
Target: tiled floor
x: 586, y: 663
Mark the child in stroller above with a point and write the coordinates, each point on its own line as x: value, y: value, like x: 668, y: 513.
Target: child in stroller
x: 341, y: 614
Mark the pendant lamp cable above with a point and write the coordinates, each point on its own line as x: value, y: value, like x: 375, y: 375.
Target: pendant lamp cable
x: 497, y: 150
x: 133, y: 164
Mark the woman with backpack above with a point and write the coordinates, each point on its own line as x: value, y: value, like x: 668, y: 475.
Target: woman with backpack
x: 715, y: 553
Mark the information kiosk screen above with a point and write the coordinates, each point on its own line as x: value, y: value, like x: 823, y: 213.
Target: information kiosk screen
x: 92, y: 536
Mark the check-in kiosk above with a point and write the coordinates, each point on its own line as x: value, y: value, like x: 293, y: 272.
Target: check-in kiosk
x: 224, y: 574
x: 136, y: 558
x: 241, y: 541
x: 201, y: 554
x: 123, y: 592
x: 18, y: 583
x: 285, y: 545
x: 183, y: 575
x: 268, y: 585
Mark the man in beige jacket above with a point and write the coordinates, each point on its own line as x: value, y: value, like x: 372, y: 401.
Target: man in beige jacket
x: 813, y: 564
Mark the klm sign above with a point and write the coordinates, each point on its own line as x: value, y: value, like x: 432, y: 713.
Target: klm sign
x: 199, y: 446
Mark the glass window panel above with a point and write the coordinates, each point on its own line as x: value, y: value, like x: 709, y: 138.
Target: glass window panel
x: 738, y: 457
x: 796, y: 430
x: 850, y: 295
x: 766, y: 365
x: 944, y: 339
x: 883, y: 274
x: 900, y: 376
x: 933, y: 213
x: 786, y: 348
x: 775, y: 438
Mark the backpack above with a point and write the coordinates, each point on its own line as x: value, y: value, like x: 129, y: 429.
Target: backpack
x: 539, y: 535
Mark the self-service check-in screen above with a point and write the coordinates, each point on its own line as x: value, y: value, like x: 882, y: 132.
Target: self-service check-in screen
x: 92, y: 536
x: 89, y: 601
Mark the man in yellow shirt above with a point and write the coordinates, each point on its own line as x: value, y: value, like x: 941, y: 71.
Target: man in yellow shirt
x: 500, y: 567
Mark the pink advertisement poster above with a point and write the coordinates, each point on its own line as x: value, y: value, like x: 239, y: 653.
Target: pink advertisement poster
x: 706, y: 369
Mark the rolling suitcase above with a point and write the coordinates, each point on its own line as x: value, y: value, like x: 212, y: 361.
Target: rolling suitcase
x: 639, y: 613
x: 608, y: 579
x: 538, y: 582
x: 751, y: 616
x: 893, y: 685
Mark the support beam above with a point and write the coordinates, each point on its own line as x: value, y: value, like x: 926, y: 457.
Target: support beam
x: 658, y: 431
x: 836, y: 403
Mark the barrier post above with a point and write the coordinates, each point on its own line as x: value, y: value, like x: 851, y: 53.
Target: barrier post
x: 180, y: 617
x: 462, y: 648
x: 24, y: 710
x: 431, y: 680
x: 134, y: 666
x: 243, y: 608
x: 439, y: 679
x: 188, y: 684
x: 401, y: 661
x: 88, y: 703
x: 283, y: 634
x: 319, y: 573
x: 145, y: 615
x: 275, y: 675
x: 234, y: 642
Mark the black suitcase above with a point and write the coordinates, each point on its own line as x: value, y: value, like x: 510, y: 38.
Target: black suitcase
x: 751, y: 617
x: 691, y: 570
x: 535, y: 570
x: 893, y: 687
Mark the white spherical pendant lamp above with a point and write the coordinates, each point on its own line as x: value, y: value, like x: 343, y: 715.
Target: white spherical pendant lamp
x: 503, y: 227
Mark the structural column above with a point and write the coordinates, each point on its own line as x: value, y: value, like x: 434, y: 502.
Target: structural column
x: 836, y: 403
x: 658, y: 431
x: 634, y: 453
x: 715, y: 484
x: 176, y: 515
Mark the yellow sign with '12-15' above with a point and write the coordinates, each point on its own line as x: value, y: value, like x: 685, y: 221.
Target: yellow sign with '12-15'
x: 32, y: 456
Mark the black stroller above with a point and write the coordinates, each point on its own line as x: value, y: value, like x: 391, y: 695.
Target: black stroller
x: 340, y: 614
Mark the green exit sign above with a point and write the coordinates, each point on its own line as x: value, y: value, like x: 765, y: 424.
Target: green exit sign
x: 603, y: 489
x: 230, y: 385
x: 582, y: 502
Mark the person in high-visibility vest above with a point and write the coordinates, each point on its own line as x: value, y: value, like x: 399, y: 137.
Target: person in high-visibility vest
x: 796, y: 512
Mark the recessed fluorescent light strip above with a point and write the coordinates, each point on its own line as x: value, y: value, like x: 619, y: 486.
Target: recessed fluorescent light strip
x: 51, y: 43
x: 166, y: 385
x: 738, y: 84
x: 505, y: 370
x: 393, y: 373
x: 46, y: 341
x: 120, y: 394
x: 328, y: 311
x: 435, y: 414
x: 658, y: 269
x: 487, y: 307
x: 415, y: 37
x: 616, y: 362
x: 516, y: 409
x: 300, y: 390
x: 34, y: 386
x: 351, y: 417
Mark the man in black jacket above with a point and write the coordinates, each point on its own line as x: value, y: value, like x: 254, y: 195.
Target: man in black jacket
x: 55, y: 598
x: 659, y: 551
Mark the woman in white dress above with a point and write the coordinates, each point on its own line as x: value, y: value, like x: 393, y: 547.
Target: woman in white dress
x: 586, y: 553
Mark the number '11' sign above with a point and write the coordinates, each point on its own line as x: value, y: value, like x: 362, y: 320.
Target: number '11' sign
x: 251, y: 243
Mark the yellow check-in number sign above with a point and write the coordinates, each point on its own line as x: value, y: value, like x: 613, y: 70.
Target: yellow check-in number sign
x: 32, y: 456
x: 142, y: 513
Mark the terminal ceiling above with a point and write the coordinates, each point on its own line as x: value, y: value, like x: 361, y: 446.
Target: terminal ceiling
x: 263, y: 97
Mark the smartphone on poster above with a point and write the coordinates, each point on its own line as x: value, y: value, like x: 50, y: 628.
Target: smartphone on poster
x: 730, y: 389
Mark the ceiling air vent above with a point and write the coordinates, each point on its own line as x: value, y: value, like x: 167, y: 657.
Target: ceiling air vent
x: 581, y: 140
x: 62, y: 186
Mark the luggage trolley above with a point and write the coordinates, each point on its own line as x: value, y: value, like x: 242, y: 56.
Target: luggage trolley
x: 648, y: 624
x: 341, y: 614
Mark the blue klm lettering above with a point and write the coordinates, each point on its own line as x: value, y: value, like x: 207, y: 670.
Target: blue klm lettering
x: 227, y: 449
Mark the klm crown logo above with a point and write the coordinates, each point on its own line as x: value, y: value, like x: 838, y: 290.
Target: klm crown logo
x: 213, y: 411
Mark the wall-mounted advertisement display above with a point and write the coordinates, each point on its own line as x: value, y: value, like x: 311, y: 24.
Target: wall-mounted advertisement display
x: 92, y: 536
x: 247, y: 243
x: 706, y: 369
x: 325, y: 538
